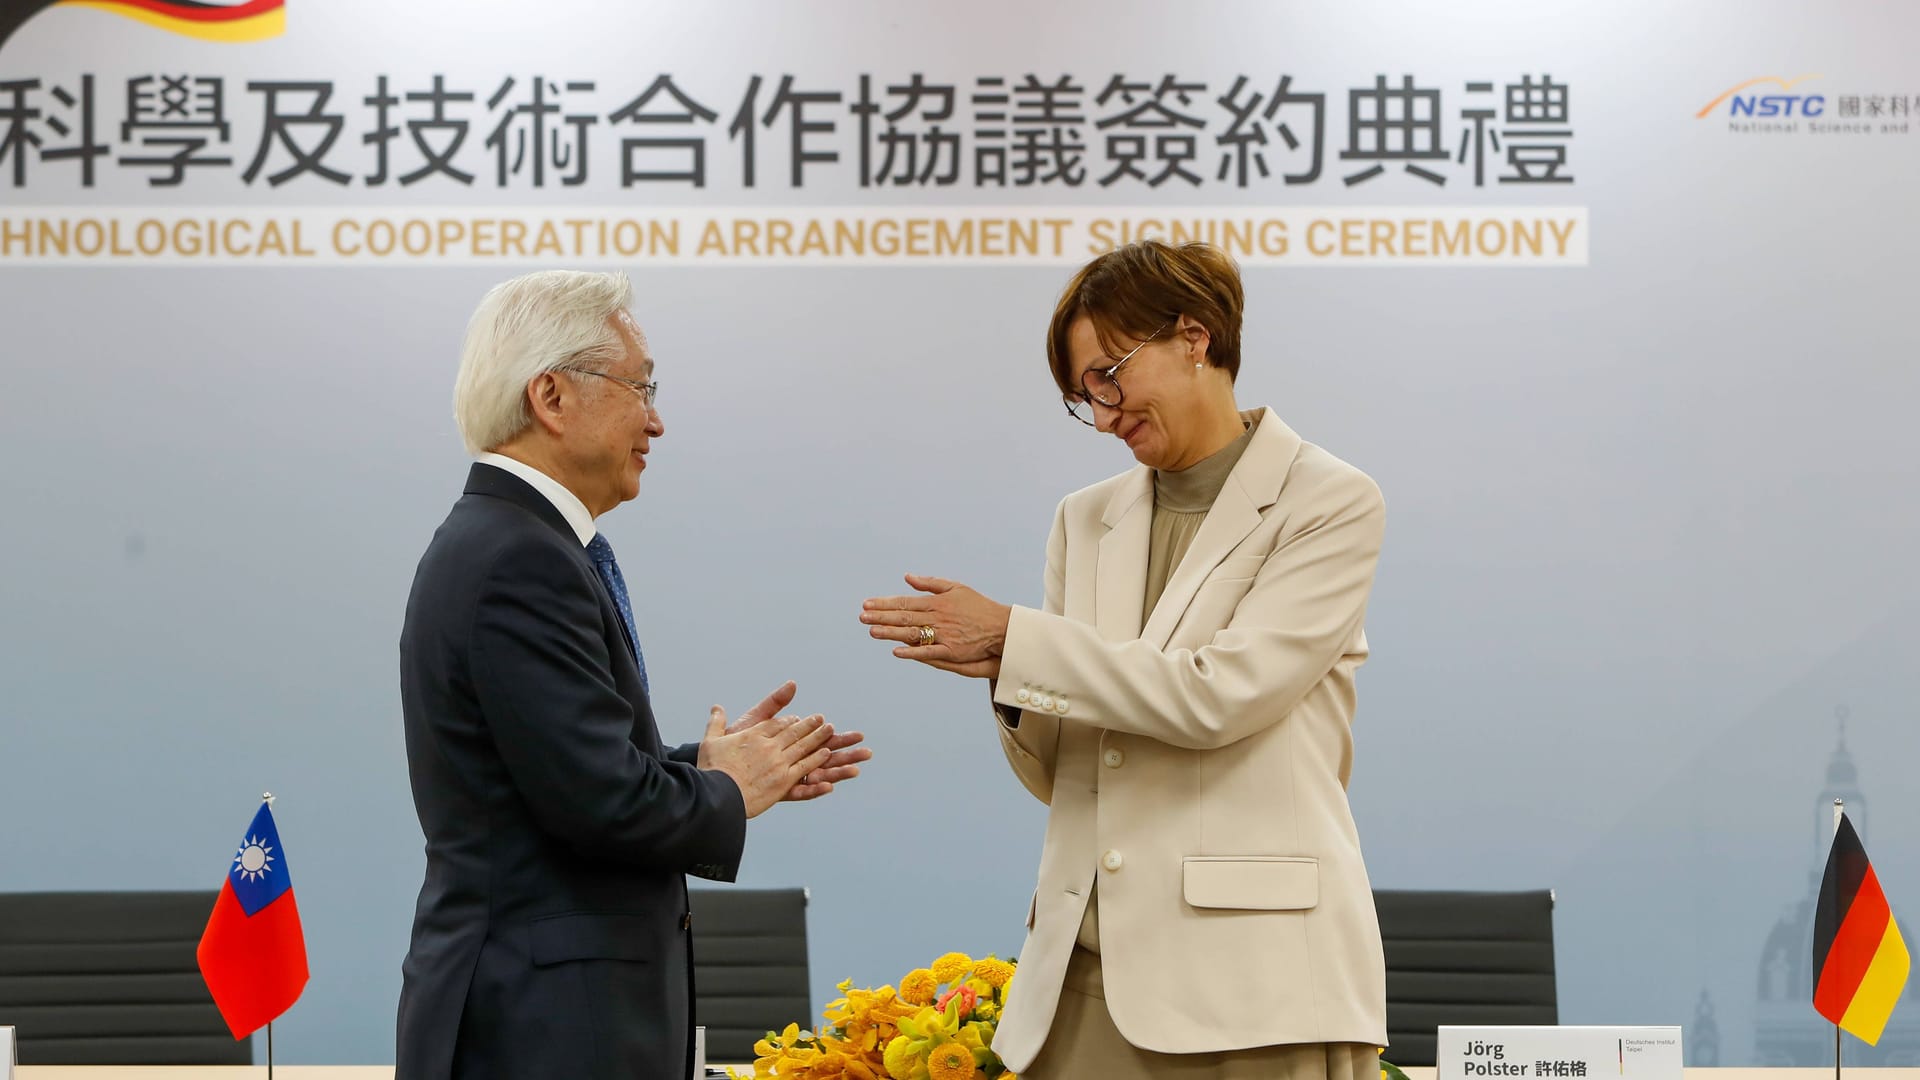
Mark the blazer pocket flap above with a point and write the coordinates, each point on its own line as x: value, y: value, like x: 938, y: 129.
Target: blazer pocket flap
x: 556, y: 939
x: 1252, y: 883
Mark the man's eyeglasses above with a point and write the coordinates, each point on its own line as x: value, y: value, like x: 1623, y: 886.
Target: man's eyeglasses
x: 1101, y: 385
x: 647, y: 390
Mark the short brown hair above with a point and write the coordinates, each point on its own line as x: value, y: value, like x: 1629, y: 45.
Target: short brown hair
x: 1134, y: 290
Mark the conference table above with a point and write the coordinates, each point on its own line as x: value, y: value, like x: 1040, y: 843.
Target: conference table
x: 385, y: 1072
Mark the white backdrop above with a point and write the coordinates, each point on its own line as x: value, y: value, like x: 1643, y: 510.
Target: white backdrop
x: 1650, y: 510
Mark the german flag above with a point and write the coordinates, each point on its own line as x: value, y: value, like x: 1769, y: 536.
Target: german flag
x: 254, y: 20
x: 1860, y: 963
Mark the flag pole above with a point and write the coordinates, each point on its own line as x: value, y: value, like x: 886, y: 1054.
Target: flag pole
x: 1839, y: 809
x: 267, y: 797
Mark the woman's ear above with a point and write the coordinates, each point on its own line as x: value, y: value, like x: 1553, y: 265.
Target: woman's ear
x: 1196, y: 337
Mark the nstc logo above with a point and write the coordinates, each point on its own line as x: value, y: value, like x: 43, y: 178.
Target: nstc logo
x: 1761, y: 105
x: 1777, y: 105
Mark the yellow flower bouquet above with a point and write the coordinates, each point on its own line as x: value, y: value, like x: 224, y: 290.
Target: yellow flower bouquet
x: 938, y: 1025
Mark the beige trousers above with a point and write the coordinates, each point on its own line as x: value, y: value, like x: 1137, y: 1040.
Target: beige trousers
x: 1084, y: 1045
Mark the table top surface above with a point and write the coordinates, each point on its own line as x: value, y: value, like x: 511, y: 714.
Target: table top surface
x: 386, y: 1073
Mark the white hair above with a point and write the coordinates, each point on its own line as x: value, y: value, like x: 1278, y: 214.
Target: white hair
x: 553, y: 320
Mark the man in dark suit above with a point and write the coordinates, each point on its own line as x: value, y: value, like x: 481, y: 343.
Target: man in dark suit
x: 551, y: 937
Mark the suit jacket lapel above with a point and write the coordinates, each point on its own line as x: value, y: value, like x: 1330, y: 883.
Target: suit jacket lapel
x: 483, y: 479
x: 1121, y: 574
x: 1253, y: 486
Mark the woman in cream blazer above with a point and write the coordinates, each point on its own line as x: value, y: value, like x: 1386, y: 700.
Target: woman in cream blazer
x: 1182, y: 703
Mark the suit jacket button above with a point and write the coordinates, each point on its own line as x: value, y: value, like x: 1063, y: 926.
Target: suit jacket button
x: 1023, y: 697
x: 686, y: 921
x: 1111, y: 860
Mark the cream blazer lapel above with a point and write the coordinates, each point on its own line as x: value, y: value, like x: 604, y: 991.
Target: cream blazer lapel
x: 1121, y: 568
x: 1253, y: 486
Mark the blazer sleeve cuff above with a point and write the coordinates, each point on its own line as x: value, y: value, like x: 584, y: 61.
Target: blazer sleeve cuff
x: 726, y: 840
x: 1023, y: 685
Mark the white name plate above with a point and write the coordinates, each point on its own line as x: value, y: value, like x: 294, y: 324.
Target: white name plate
x: 1553, y: 1053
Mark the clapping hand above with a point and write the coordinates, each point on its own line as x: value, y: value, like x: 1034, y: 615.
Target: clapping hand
x: 949, y: 626
x: 844, y: 752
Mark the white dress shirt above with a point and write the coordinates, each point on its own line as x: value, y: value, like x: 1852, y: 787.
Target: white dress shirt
x: 565, y: 501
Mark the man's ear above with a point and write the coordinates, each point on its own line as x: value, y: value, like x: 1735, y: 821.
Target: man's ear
x: 550, y: 400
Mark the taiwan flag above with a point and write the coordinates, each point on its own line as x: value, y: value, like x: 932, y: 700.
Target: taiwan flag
x: 253, y: 955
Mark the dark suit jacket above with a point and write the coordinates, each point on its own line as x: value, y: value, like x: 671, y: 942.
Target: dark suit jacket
x: 551, y: 935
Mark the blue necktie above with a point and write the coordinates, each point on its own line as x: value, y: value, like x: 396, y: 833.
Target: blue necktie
x: 601, y: 553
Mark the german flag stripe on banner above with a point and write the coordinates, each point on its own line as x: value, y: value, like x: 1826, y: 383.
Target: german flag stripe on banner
x: 1860, y: 962
x: 251, y: 21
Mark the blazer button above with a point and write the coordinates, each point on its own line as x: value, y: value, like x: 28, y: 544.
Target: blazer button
x: 1060, y: 706
x: 1111, y: 860
x: 686, y: 921
x: 1113, y: 757
x: 1023, y: 696
x: 1045, y: 703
